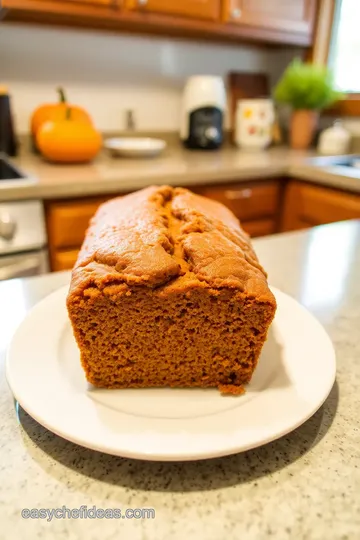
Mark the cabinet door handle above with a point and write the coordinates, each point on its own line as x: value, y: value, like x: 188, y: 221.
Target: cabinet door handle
x: 236, y: 13
x: 234, y: 194
x: 117, y: 4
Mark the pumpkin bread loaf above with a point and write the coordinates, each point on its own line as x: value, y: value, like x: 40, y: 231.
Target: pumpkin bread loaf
x: 167, y: 291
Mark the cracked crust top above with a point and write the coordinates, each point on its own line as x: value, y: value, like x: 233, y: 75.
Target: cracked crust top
x: 159, y: 235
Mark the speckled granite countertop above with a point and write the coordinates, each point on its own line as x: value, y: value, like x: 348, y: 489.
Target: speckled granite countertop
x: 176, y: 166
x: 305, y: 486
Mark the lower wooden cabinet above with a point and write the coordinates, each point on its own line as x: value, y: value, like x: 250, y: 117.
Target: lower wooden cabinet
x: 306, y: 205
x: 67, y: 221
x: 260, y: 227
x: 63, y: 259
x: 248, y: 201
x: 263, y: 207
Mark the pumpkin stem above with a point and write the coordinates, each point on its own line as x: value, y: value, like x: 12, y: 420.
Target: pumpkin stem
x: 62, y: 96
x: 68, y: 113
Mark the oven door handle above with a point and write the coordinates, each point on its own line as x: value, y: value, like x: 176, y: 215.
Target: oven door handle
x: 16, y: 269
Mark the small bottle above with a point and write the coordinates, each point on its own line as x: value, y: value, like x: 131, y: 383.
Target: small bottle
x: 130, y: 120
x: 8, y: 143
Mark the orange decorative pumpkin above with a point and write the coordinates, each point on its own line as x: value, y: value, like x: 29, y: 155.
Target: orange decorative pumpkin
x: 68, y: 140
x: 56, y: 111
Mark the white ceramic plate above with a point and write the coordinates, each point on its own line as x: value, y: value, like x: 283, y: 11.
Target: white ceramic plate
x: 295, y: 374
x: 135, y: 147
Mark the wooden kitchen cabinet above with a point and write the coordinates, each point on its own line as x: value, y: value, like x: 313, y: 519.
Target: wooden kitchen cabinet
x: 198, y: 9
x: 307, y: 205
x: 260, y: 227
x: 94, y: 2
x: 275, y: 21
x: 90, y: 2
x: 293, y: 16
x: 66, y: 223
x: 263, y: 207
x: 255, y: 204
x: 63, y: 259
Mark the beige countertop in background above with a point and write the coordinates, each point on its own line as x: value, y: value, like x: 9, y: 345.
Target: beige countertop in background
x: 176, y: 166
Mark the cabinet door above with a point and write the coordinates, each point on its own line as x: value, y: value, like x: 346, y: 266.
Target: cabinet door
x: 198, y: 9
x: 281, y: 15
x: 63, y: 260
x: 248, y: 201
x: 91, y: 2
x: 306, y: 206
x: 259, y: 227
x: 67, y: 221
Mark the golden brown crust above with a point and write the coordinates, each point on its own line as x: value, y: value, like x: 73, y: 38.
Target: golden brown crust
x: 160, y: 234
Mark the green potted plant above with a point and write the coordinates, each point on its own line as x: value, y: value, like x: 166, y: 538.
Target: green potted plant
x: 307, y: 88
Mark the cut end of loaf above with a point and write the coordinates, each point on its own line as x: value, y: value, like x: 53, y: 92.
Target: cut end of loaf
x: 194, y: 338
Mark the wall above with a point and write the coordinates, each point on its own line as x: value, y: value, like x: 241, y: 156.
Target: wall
x: 109, y: 73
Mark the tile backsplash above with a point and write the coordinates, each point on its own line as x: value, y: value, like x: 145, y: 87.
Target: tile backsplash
x: 109, y: 73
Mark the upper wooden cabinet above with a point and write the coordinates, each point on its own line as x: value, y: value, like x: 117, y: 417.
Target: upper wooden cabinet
x: 275, y: 21
x: 89, y: 2
x: 94, y: 2
x: 199, y: 9
x: 293, y: 16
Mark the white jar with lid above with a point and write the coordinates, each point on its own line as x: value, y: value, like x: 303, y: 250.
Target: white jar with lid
x: 334, y: 140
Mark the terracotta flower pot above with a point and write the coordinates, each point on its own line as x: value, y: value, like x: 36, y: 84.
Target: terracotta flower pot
x: 302, y: 128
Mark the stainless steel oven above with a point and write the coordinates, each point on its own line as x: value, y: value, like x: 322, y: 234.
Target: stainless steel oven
x: 22, y: 239
x: 22, y: 228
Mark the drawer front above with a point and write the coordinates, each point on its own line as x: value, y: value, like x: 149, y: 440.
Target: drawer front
x: 247, y: 201
x: 63, y: 260
x: 259, y: 227
x: 307, y: 206
x: 321, y: 205
x: 68, y: 221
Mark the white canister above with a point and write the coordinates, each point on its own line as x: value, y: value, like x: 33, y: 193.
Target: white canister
x: 254, y: 123
x: 334, y: 140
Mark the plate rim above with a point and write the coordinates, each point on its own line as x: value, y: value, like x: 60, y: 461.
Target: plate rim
x: 231, y: 448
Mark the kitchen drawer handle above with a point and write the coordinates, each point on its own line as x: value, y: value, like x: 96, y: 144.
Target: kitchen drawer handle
x: 234, y: 194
